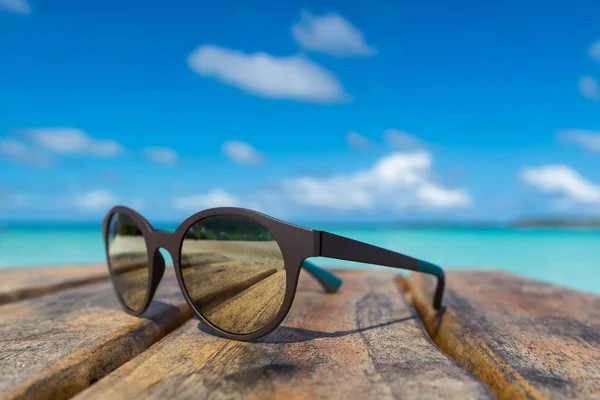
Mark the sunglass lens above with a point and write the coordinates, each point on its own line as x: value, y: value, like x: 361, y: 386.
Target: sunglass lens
x: 233, y: 271
x: 128, y: 260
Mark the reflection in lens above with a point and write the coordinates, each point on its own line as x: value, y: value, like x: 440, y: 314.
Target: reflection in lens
x: 128, y: 260
x: 233, y: 272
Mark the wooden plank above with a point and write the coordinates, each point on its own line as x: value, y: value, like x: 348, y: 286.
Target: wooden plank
x: 55, y: 346
x: 216, y: 283
x: 24, y: 283
x: 251, y: 309
x: 210, y: 279
x: 526, y: 339
x: 52, y: 347
x: 365, y: 342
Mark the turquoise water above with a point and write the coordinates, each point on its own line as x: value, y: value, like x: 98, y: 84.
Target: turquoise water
x: 566, y: 257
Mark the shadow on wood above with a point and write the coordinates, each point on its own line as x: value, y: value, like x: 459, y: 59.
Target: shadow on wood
x: 297, y: 335
x: 362, y: 343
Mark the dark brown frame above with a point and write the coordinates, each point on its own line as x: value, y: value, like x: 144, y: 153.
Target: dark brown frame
x: 296, y: 244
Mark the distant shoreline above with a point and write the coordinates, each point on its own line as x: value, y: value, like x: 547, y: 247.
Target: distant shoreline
x: 556, y: 223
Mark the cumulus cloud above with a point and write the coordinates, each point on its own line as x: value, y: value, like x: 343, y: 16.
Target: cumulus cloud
x: 261, y: 74
x: 161, y: 155
x: 92, y: 202
x: 15, y: 6
x: 562, y: 180
x: 358, y: 141
x: 16, y: 151
x: 65, y: 140
x: 401, y: 180
x: 588, y: 87
x: 595, y: 50
x: 197, y: 202
x: 331, y: 34
x: 587, y: 139
x: 401, y: 140
x: 95, y: 200
x: 435, y: 196
x: 242, y: 153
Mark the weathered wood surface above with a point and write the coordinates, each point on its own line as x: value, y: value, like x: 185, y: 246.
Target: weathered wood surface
x: 56, y: 345
x: 365, y: 342
x: 53, y: 346
x: 18, y: 284
x: 213, y: 284
x: 251, y: 309
x: 526, y: 339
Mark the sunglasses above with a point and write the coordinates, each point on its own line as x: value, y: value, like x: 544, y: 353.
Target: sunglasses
x: 238, y: 269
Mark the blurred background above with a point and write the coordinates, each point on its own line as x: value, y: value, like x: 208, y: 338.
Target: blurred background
x: 463, y: 133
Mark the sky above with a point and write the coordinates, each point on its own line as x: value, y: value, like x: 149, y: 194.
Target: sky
x: 304, y: 110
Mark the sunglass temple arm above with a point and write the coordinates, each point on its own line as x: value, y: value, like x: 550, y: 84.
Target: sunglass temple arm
x: 329, y: 281
x: 343, y: 248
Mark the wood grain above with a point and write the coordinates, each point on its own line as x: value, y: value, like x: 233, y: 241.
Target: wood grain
x: 24, y: 283
x: 54, y: 346
x: 210, y: 285
x: 526, y: 339
x: 365, y: 342
x: 251, y: 309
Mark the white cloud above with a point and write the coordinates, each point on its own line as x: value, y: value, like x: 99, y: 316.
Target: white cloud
x: 161, y: 155
x: 242, y: 153
x: 438, y: 197
x: 588, y: 139
x: 85, y: 201
x: 16, y: 151
x: 398, y: 181
x: 562, y: 180
x: 95, y: 200
x: 16, y: 6
x: 334, y: 192
x: 261, y: 74
x: 401, y: 140
x: 64, y: 140
x: 588, y: 87
x: 358, y: 141
x: 595, y: 50
x: 198, y: 202
x: 331, y: 34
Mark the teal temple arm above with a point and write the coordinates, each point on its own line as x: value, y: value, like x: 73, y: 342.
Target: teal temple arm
x: 332, y: 283
x: 329, y: 281
x: 438, y: 272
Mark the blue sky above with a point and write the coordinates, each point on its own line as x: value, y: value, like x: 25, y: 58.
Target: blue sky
x: 304, y: 110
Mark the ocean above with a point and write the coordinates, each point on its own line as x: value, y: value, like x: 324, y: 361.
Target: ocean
x: 568, y: 257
